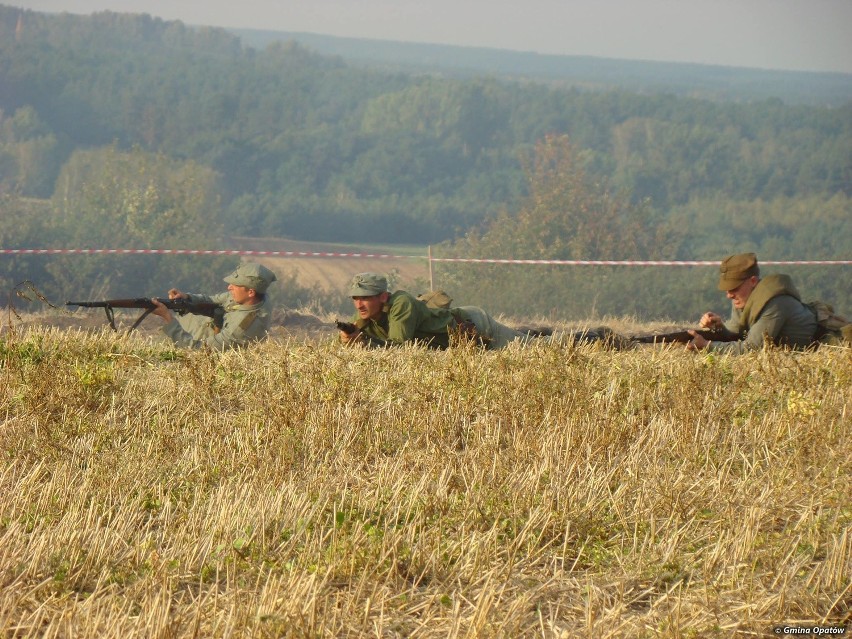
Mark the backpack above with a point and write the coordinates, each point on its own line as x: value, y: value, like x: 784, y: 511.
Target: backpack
x: 437, y: 298
x: 832, y: 329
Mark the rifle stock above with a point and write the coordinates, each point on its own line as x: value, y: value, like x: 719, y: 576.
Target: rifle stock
x: 684, y: 336
x: 346, y: 327
x: 180, y: 305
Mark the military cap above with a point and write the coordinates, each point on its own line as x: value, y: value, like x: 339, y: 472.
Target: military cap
x: 367, y: 285
x: 252, y: 275
x: 736, y: 269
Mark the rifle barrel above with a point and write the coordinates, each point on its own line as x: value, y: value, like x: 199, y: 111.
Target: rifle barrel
x: 135, y: 302
x: 180, y: 305
x: 684, y: 336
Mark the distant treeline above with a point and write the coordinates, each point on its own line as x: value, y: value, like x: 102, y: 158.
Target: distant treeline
x: 155, y: 132
x: 640, y: 76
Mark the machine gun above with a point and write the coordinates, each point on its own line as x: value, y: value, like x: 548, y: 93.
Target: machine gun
x: 684, y: 336
x: 180, y: 305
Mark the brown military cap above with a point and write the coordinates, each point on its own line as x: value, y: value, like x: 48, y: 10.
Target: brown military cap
x: 736, y: 269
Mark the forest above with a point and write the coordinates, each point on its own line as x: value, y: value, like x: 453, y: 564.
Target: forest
x: 588, y: 72
x: 128, y: 129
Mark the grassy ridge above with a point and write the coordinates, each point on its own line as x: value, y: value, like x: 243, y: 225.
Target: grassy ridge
x: 304, y: 490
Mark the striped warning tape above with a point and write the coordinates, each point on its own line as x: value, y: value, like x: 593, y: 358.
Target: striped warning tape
x: 389, y: 256
x: 196, y: 252
x: 631, y: 262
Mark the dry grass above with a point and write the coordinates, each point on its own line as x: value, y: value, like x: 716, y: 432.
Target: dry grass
x: 304, y: 490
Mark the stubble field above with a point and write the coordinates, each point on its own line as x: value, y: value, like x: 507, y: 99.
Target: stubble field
x: 300, y: 489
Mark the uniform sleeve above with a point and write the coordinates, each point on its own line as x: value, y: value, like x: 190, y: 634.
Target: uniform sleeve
x: 732, y: 326
x: 770, y: 322
x: 220, y: 298
x: 238, y: 329
x: 402, y: 320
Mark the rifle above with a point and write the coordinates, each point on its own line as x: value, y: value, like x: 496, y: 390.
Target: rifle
x: 346, y: 327
x: 684, y: 337
x: 181, y: 306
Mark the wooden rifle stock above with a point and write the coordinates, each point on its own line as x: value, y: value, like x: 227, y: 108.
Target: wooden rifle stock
x: 180, y: 305
x: 684, y: 336
x: 346, y: 327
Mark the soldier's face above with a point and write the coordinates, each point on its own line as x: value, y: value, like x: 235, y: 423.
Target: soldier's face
x: 241, y: 294
x: 370, y: 306
x: 739, y: 295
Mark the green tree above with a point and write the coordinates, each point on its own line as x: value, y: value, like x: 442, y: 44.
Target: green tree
x: 109, y: 199
x: 24, y: 224
x: 29, y: 154
x: 568, y: 215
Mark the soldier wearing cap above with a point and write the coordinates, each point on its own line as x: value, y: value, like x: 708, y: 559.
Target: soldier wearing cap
x: 246, y: 312
x: 761, y: 309
x: 383, y: 318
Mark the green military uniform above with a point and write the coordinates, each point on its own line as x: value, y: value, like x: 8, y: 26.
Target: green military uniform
x: 406, y: 319
x: 242, y: 324
x: 774, y: 310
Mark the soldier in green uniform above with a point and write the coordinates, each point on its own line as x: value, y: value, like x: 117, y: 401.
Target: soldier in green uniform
x: 391, y: 319
x: 246, y: 312
x: 761, y: 309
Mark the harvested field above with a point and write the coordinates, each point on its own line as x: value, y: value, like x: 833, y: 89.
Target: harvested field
x: 301, y: 489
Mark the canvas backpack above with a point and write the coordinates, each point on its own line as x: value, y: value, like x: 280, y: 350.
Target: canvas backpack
x: 437, y: 298
x: 832, y: 329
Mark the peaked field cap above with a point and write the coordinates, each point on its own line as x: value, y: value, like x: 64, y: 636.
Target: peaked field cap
x: 252, y: 275
x: 736, y: 269
x: 368, y: 284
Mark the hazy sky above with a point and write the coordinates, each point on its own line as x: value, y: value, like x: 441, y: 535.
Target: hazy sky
x: 814, y: 35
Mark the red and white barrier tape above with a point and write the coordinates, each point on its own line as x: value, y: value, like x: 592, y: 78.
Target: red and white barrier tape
x: 387, y: 256
x: 194, y: 252
x: 631, y: 262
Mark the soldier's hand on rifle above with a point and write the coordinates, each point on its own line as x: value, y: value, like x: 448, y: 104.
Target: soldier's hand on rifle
x: 349, y: 338
x: 176, y: 294
x: 349, y: 333
x: 697, y: 342
x: 161, y: 311
x: 711, y: 320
